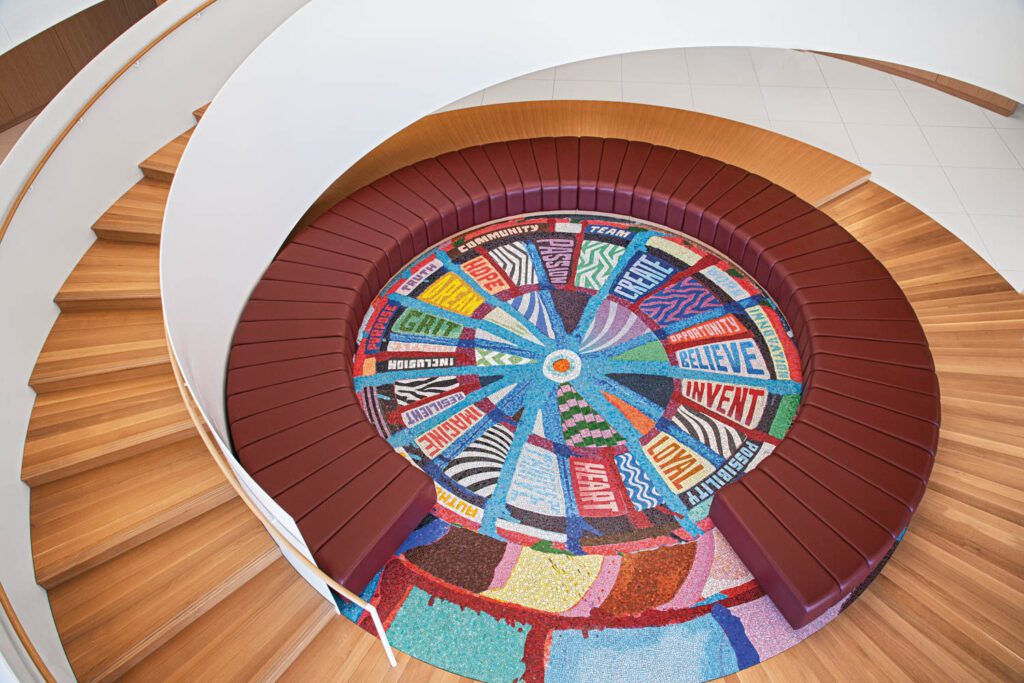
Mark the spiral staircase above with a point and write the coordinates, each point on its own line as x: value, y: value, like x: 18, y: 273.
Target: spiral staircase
x: 155, y: 569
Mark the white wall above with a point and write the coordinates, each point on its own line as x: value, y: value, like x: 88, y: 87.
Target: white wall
x: 22, y: 19
x: 340, y: 77
x: 97, y: 163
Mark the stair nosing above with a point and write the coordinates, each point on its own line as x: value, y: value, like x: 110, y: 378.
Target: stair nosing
x: 136, y: 444
x: 133, y: 537
x: 150, y: 643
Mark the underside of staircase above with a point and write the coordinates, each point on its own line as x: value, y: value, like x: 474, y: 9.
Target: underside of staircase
x: 155, y: 569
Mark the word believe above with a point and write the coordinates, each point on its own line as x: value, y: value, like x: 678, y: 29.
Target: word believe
x: 738, y: 357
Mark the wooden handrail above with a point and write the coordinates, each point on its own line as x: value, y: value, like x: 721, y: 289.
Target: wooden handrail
x: 86, y: 107
x: 19, y: 629
x: 282, y: 539
x: 26, y: 642
x: 186, y: 394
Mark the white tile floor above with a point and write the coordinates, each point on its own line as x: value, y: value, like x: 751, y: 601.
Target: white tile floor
x: 959, y: 163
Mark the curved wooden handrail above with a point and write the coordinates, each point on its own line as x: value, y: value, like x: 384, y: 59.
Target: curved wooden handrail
x: 26, y: 642
x: 280, y: 538
x: 186, y: 394
x: 86, y: 107
x: 8, y: 608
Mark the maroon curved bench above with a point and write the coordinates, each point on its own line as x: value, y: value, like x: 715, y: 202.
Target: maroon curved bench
x: 812, y: 522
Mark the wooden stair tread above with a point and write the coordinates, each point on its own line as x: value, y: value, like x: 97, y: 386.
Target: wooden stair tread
x: 89, y: 347
x: 138, y: 215
x: 99, y: 436
x: 343, y: 652
x: 113, y: 275
x: 114, y: 615
x: 162, y: 164
x: 198, y: 113
x: 274, y: 617
x: 57, y: 410
x: 88, y: 518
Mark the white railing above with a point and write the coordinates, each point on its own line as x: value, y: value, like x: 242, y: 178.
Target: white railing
x: 78, y: 156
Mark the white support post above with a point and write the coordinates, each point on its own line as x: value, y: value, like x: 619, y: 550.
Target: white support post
x: 381, y: 634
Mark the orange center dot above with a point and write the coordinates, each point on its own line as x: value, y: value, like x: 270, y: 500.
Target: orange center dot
x: 561, y: 365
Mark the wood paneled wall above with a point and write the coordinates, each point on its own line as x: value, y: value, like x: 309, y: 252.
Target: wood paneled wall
x: 34, y: 71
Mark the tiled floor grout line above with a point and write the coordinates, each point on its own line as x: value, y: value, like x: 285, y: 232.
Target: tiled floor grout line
x: 842, y: 119
x: 760, y: 89
x: 988, y: 251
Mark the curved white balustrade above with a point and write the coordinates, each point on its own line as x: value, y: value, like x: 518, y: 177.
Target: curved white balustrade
x: 338, y: 78
x: 95, y: 164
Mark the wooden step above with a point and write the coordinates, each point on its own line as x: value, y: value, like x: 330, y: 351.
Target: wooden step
x: 90, y: 347
x: 83, y: 520
x: 138, y: 215
x: 255, y: 634
x: 69, y: 408
x: 344, y: 652
x: 198, y: 113
x: 162, y: 164
x: 113, y: 428
x: 113, y: 616
x: 113, y: 275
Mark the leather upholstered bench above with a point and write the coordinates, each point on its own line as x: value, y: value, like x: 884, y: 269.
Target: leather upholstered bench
x: 811, y: 522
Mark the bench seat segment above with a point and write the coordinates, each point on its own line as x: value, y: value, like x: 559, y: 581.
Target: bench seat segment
x: 812, y: 522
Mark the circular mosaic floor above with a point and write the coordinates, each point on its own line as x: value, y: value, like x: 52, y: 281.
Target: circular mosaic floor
x: 578, y: 386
